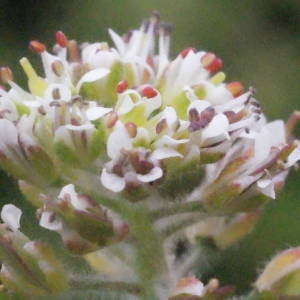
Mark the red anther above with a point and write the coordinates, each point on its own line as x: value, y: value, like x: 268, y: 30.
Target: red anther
x: 131, y: 129
x: 149, y: 92
x: 37, y: 47
x: 186, y: 51
x: 211, y: 63
x: 61, y: 39
x: 235, y: 88
x: 122, y: 86
x: 5, y: 74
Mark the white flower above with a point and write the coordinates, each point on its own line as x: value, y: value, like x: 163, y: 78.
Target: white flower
x: 11, y: 215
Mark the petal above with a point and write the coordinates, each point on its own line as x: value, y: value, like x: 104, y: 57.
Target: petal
x: 118, y: 41
x: 80, y: 127
x: 47, y: 221
x: 152, y: 104
x: 94, y: 113
x: 116, y: 141
x: 262, y: 145
x: 167, y: 140
x: 277, y: 132
x: 165, y: 152
x: 8, y: 132
x: 154, y: 174
x: 200, y: 105
x: 169, y: 113
x: 266, y: 187
x: 112, y: 181
x: 91, y: 77
x: 293, y: 158
x: 11, y: 215
x: 217, y: 127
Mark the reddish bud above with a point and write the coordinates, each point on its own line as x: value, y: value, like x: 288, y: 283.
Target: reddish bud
x: 61, y: 39
x: 5, y: 74
x: 235, y: 88
x: 37, y: 47
x: 186, y: 51
x: 211, y: 63
x: 122, y: 86
x: 149, y: 92
x: 131, y: 129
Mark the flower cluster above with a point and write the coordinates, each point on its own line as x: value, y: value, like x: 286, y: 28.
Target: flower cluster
x: 153, y: 145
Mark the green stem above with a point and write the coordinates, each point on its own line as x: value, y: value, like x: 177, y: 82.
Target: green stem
x: 110, y: 286
x: 176, y: 208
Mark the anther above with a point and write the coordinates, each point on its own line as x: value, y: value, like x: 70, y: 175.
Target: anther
x: 37, y: 47
x: 56, y: 94
x: 73, y: 51
x: 235, y: 88
x: 111, y: 119
x: 186, y: 51
x: 131, y: 129
x: 149, y: 92
x: 5, y: 74
x: 211, y: 63
x: 54, y: 103
x: 42, y: 110
x: 122, y: 86
x: 61, y: 39
x: 160, y: 126
x: 57, y: 68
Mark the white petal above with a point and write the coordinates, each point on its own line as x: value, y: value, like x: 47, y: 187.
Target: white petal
x: 11, y: 215
x: 68, y: 189
x: 165, y: 152
x: 126, y: 105
x: 116, y: 141
x: 266, y: 186
x: 217, y: 127
x: 80, y: 127
x: 47, y: 222
x: 152, y: 104
x: 118, y: 41
x: 8, y: 132
x: 94, y: 113
x: 169, y: 113
x: 167, y: 140
x: 277, y: 132
x: 64, y: 92
x: 262, y: 145
x: 91, y: 77
x: 154, y: 174
x: 200, y: 105
x: 112, y: 181
x: 293, y: 158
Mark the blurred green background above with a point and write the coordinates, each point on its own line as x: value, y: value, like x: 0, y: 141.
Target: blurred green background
x: 259, y: 43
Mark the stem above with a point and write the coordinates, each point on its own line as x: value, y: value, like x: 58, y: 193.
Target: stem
x: 186, y: 221
x: 111, y: 286
x: 176, y: 208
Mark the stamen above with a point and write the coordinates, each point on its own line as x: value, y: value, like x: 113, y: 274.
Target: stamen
x: 56, y: 94
x: 291, y: 123
x: 111, y: 119
x: 211, y: 63
x: 160, y: 126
